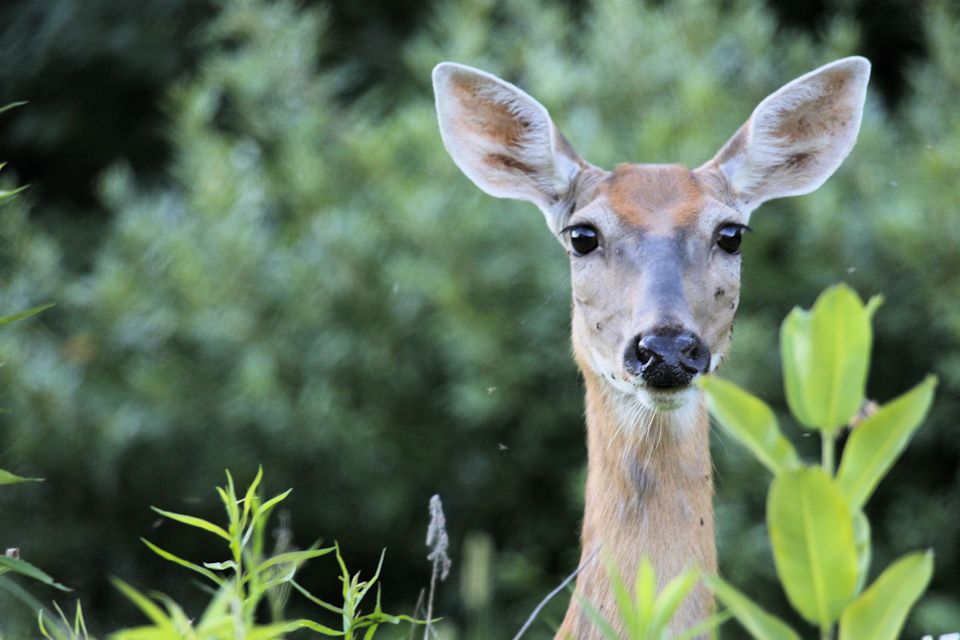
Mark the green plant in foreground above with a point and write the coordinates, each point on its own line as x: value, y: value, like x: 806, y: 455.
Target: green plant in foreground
x: 10, y: 562
x: 818, y: 531
x: 646, y: 614
x: 247, y: 577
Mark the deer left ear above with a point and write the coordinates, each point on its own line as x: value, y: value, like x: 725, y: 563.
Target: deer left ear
x: 798, y: 136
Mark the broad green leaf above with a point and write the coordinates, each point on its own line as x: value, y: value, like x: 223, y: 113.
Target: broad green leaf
x: 166, y: 555
x: 841, y: 339
x: 758, y: 622
x: 9, y: 478
x: 878, y: 441
x: 193, y: 521
x: 24, y: 568
x: 4, y: 320
x: 880, y: 612
x: 751, y: 421
x: 861, y: 539
x: 826, y: 354
x: 811, y: 532
x: 795, y: 353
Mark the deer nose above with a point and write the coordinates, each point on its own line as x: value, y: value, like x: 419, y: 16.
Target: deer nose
x: 667, y: 357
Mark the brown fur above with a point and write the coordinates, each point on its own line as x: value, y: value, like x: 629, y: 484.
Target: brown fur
x: 660, y: 198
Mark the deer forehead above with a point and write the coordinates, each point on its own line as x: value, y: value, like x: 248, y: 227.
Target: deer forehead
x: 660, y: 199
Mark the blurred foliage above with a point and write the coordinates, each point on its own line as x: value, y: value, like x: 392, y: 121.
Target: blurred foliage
x: 315, y: 287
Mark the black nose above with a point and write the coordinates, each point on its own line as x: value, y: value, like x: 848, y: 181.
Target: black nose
x: 667, y: 357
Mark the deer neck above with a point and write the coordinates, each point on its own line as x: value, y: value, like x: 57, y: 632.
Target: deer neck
x: 649, y: 494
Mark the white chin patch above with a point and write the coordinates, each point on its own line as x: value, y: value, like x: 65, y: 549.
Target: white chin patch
x: 638, y: 407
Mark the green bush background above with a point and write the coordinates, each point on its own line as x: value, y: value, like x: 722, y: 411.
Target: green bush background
x: 300, y: 277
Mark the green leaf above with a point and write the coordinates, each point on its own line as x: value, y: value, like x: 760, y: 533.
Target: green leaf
x: 795, y: 352
x: 811, y: 532
x: 4, y: 320
x: 166, y: 555
x: 147, y: 606
x: 193, y: 521
x: 842, y: 337
x: 294, y: 557
x: 8, y: 478
x: 24, y: 568
x: 861, y: 539
x: 826, y: 354
x: 758, y: 622
x: 671, y: 597
x: 751, y: 421
x: 879, y: 440
x: 880, y: 612
x: 12, y: 105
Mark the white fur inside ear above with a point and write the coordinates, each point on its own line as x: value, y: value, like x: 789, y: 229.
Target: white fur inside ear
x: 501, y: 138
x: 798, y: 136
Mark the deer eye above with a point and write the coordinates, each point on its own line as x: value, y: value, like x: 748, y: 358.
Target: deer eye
x: 729, y: 236
x: 583, y: 238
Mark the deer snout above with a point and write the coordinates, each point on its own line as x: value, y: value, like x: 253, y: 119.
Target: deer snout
x: 667, y: 357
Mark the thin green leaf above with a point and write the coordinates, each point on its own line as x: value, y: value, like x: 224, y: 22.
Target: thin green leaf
x: 9, y: 193
x: 279, y: 629
x: 644, y: 594
x: 193, y: 521
x: 879, y: 440
x: 9, y: 478
x: 315, y: 600
x: 601, y: 623
x: 702, y: 629
x: 249, y: 498
x: 12, y: 105
x: 5, y: 320
x: 269, y: 504
x: 672, y: 596
x: 24, y: 568
x: 758, y: 622
x: 146, y: 605
x: 166, y: 555
x: 879, y: 613
x: 294, y: 557
x: 751, y: 421
x: 811, y: 532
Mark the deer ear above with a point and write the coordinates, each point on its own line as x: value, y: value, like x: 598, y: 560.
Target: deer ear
x: 502, y: 139
x: 798, y: 136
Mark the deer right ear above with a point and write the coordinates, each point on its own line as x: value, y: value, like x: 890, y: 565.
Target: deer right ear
x: 502, y: 139
x: 798, y: 136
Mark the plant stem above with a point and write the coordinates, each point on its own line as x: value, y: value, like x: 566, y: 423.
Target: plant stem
x: 828, y: 446
x: 826, y: 633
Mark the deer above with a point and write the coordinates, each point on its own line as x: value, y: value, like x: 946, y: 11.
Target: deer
x: 655, y: 268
